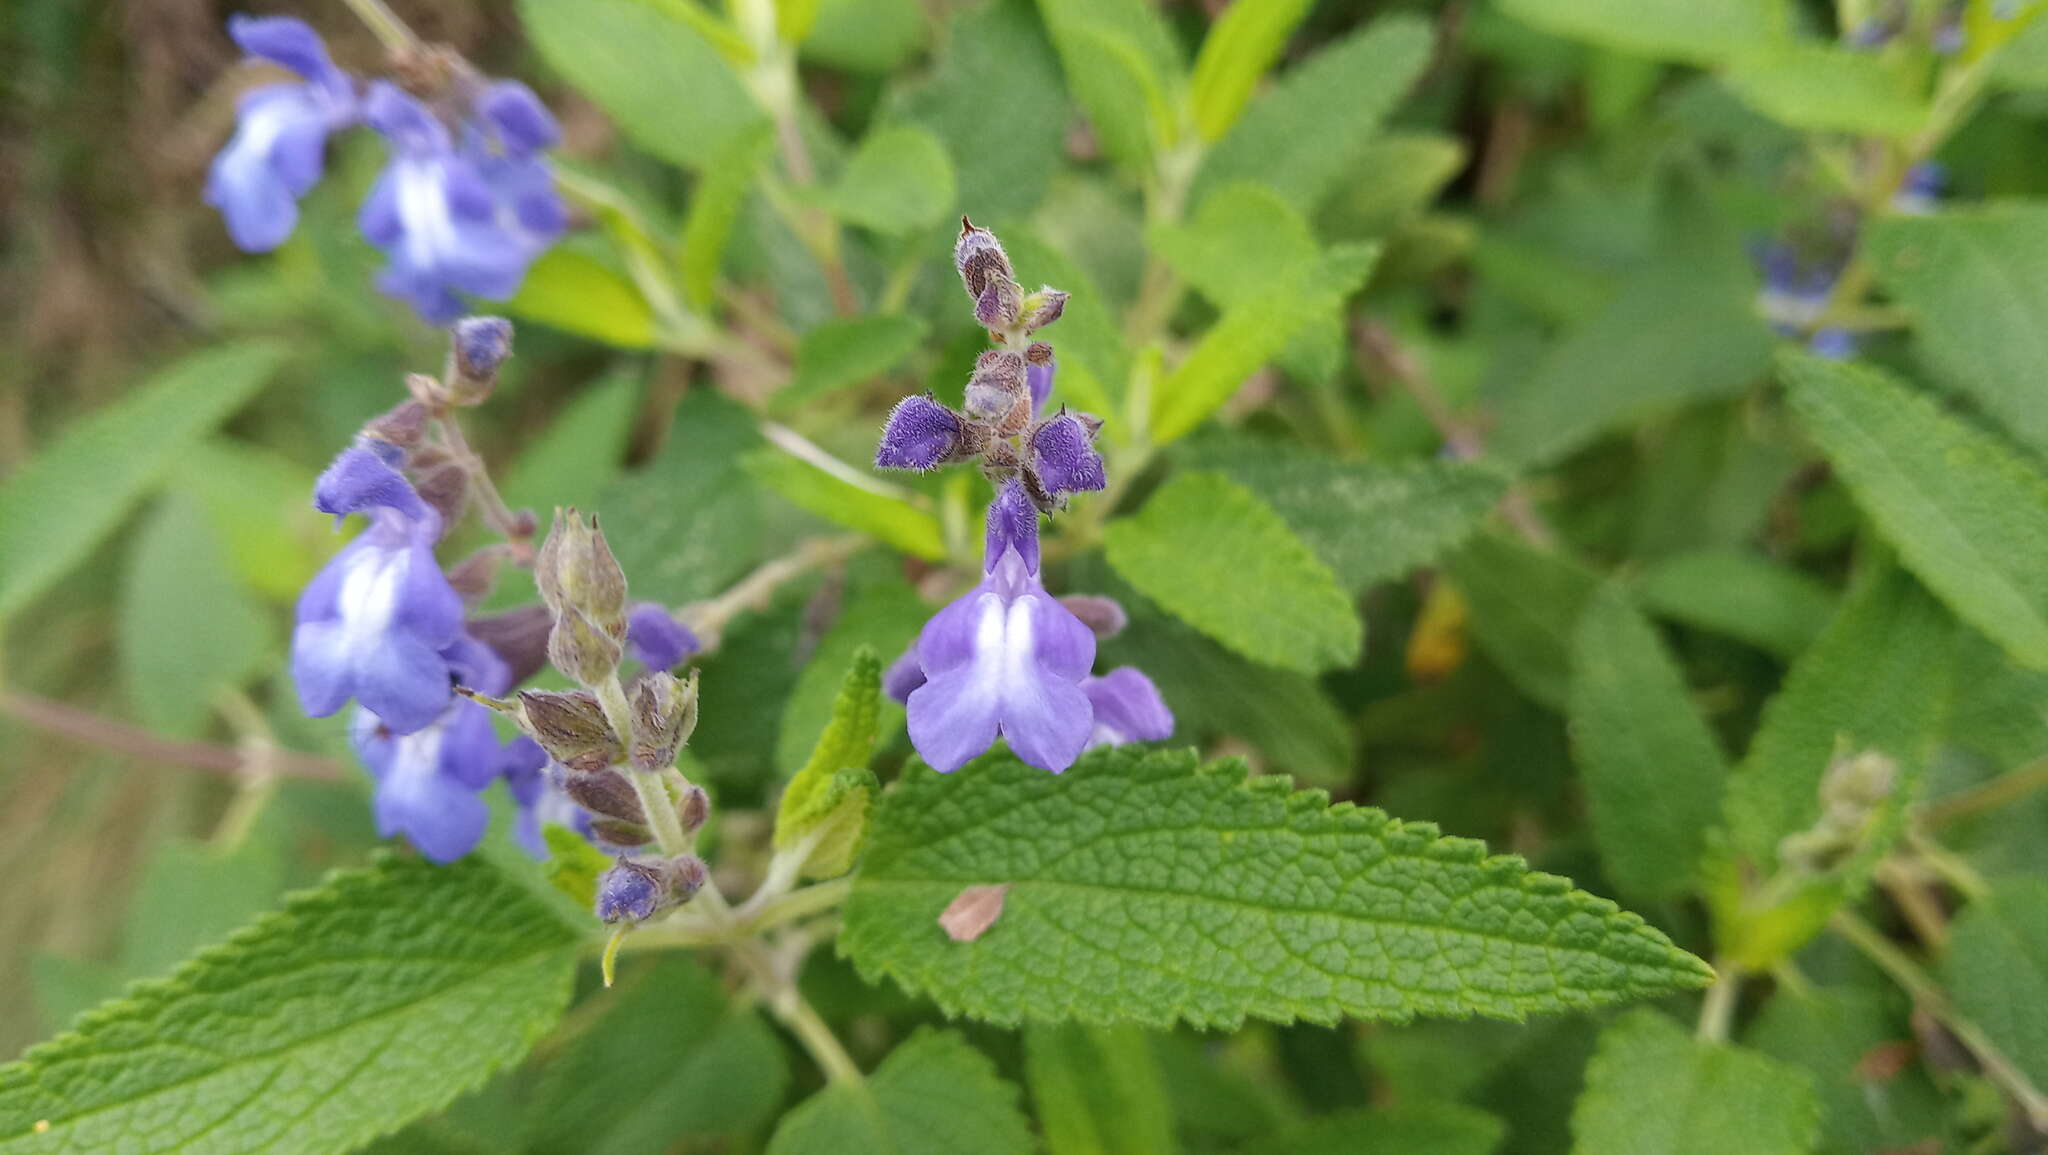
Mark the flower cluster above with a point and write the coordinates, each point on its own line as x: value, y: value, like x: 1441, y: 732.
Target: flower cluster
x: 1008, y: 659
x: 466, y: 202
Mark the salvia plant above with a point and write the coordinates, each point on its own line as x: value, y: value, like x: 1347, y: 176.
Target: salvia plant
x: 740, y: 684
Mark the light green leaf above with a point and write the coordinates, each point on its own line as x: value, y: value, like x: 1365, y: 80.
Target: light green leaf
x: 1399, y: 173
x: 574, y: 865
x: 1309, y: 131
x: 1653, y: 1089
x: 874, y: 36
x: 830, y: 797
x: 1098, y: 1090
x: 1143, y: 889
x: 1214, y: 555
x: 1653, y: 772
x: 1980, y: 312
x: 1241, y: 45
x: 1418, y: 1128
x: 1741, y: 595
x: 687, y: 523
x: 884, y: 617
x: 574, y: 293
x: 1124, y: 68
x: 1697, y: 31
x: 1830, y: 1033
x: 581, y: 452
x: 1243, y: 236
x: 888, y: 518
x: 848, y: 351
x: 1969, y: 516
x: 78, y: 489
x: 1997, y: 971
x: 359, y: 1006
x: 1523, y: 603
x: 715, y: 206
x: 652, y: 67
x: 1822, y: 87
x: 898, y: 180
x: 934, y: 1095
x: 2023, y: 62
x: 1370, y: 521
x: 256, y: 503
x: 175, y: 663
x: 996, y: 48
x: 1250, y: 334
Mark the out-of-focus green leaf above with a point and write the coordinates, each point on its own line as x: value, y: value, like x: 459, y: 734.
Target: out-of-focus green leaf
x: 1524, y: 603
x: 581, y: 452
x: 829, y: 799
x: 1090, y: 348
x: 1301, y: 137
x: 2023, y: 62
x: 842, y: 499
x: 1969, y: 515
x: 175, y: 662
x: 1221, y: 560
x: 1742, y: 596
x: 996, y: 48
x: 1243, y: 236
x: 1831, y: 1033
x: 1997, y: 971
x: 570, y: 291
x: 1980, y: 313
x: 193, y: 894
x: 898, y: 180
x: 840, y: 353
x: 258, y: 503
x: 1653, y: 1089
x: 1418, y: 1128
x: 714, y: 208
x: 934, y: 1095
x: 690, y: 521
x: 76, y: 491
x: 1398, y: 174
x: 1822, y: 87
x: 1124, y: 68
x: 1697, y: 31
x: 1241, y: 45
x: 874, y: 36
x: 1653, y: 772
x: 886, y: 617
x: 1098, y: 1091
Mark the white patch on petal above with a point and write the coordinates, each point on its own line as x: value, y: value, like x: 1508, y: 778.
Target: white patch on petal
x: 369, y: 595
x: 423, y: 208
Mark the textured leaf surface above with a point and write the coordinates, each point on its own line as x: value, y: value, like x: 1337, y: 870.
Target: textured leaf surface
x: 687, y: 523
x: 1969, y: 515
x: 1122, y: 66
x: 1144, y: 889
x: 1220, y: 559
x: 575, y: 293
x: 360, y: 1005
x: 885, y: 617
x: 1524, y: 602
x: 934, y: 1095
x: 75, y: 491
x: 1653, y: 772
x: 999, y: 47
x: 1097, y: 1090
x: 175, y: 662
x: 1741, y: 595
x: 1997, y: 971
x: 1970, y: 276
x: 1692, y: 30
x: 1420, y: 1128
x: 1653, y: 1089
x: 830, y: 797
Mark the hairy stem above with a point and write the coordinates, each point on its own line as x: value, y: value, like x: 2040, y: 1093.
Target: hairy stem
x: 709, y: 618
x: 496, y: 514
x: 649, y: 788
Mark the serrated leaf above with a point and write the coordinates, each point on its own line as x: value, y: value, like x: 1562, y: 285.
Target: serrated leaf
x: 577, y: 294
x: 1098, y: 1090
x: 1980, y: 314
x: 1653, y: 772
x: 1418, y: 1128
x: 1742, y: 596
x: 1305, y: 134
x: 899, y: 179
x: 175, y: 663
x: 1831, y: 1033
x: 934, y: 1095
x: 882, y: 515
x: 846, y: 352
x: 1697, y: 31
x: 1823, y: 87
x: 374, y: 999
x: 653, y: 68
x: 1969, y: 516
x: 885, y: 617
x: 715, y: 206
x: 1241, y: 45
x: 1251, y: 333
x: 1523, y: 602
x: 1996, y: 971
x: 1653, y: 1089
x: 829, y: 799
x: 1218, y: 558
x: 1144, y: 889
x: 78, y: 489
x: 689, y: 522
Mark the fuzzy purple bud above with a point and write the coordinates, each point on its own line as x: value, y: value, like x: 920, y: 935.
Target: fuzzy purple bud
x: 976, y: 255
x: 921, y: 434
x: 480, y: 346
x: 1127, y: 707
x: 1063, y: 457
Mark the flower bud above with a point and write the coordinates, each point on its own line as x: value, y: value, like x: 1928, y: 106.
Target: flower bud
x: 1042, y: 308
x: 583, y: 650
x: 998, y: 382
x: 583, y: 585
x: 635, y: 890
x: 1039, y: 368
x: 1062, y: 456
x: 478, y: 346
x: 921, y: 434
x: 1000, y: 302
x: 692, y: 809
x: 403, y: 428
x: 442, y: 483
x: 572, y: 728
x: 474, y: 576
x: 625, y: 835
x: 976, y: 255
x: 606, y: 794
x: 519, y: 636
x: 664, y: 716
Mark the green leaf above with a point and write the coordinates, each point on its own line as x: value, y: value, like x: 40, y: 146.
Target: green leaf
x: 1969, y: 516
x: 1523, y: 603
x: 690, y: 521
x: 574, y: 865
x: 255, y: 502
x: 1671, y: 335
x: 176, y: 663
x: 1980, y: 313
x: 1653, y: 1089
x: 1303, y: 136
x: 1401, y: 173
x: 1250, y: 334
x: 78, y: 489
x: 998, y: 48
x: 1740, y: 595
x: 582, y: 450
x: 1242, y: 44
x: 884, y: 617
x: 1419, y: 1128
x: 1696, y: 31
x: 1996, y: 971
x: 1093, y: 362
x: 1822, y: 87
x: 651, y: 66
x: 1243, y: 236
x: 1098, y: 1090
x: 574, y: 293
x: 874, y: 36
x: 1144, y: 889
x: 849, y: 351
x: 1830, y: 1033
x: 715, y: 206
x: 1372, y: 522
x: 359, y: 1006
x: 1124, y: 68
x: 191, y: 895
x: 1652, y: 770
x: 830, y: 797
x: 897, y: 181
x: 1220, y: 559
x: 853, y: 501
x: 934, y: 1095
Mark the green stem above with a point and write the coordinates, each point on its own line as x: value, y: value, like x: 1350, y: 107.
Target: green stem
x: 2000, y: 791
x: 1718, y: 1011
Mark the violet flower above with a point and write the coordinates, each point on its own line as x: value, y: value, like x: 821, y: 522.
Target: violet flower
x: 276, y: 154
x: 1127, y: 707
x: 657, y: 639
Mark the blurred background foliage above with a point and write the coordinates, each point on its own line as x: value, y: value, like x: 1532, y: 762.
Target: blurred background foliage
x: 1566, y: 200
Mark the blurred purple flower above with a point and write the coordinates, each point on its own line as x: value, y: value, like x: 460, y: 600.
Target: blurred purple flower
x: 657, y: 639
x: 276, y: 154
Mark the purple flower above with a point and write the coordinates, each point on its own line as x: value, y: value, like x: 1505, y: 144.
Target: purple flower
x: 903, y: 676
x: 1004, y: 659
x: 921, y: 434
x: 628, y: 892
x: 281, y: 133
x: 373, y: 623
x: 1128, y: 708
x: 1039, y: 378
x: 1063, y: 457
x: 1920, y: 193
x: 657, y: 638
x: 530, y: 778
